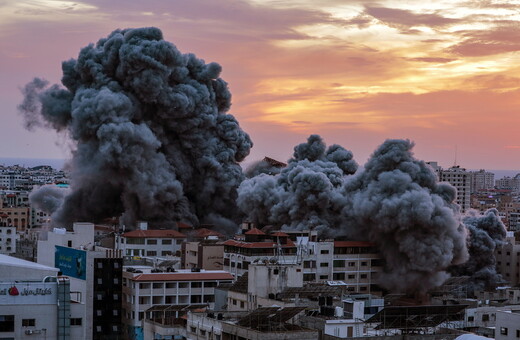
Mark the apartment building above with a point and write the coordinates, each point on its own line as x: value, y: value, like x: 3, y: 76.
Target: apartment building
x: 482, y: 180
x: 461, y: 180
x: 145, y: 242
x: 355, y: 263
x: 144, y: 288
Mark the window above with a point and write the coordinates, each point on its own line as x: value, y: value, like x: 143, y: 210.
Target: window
x: 352, y: 264
x: 28, y: 322
x: 363, y: 276
x: 98, y: 329
x: 308, y: 277
x: 100, y: 265
x: 151, y: 253
x: 339, y: 263
x: 364, y: 263
x: 324, y: 251
x: 242, y: 304
x: 193, y: 329
x: 157, y: 285
x: 352, y: 276
x: 75, y: 321
x: 518, y: 333
x: 167, y: 241
x: 503, y: 330
x: 324, y: 277
x: 471, y: 318
x: 114, y: 328
x: 178, y: 241
x: 196, y: 285
x: 324, y: 264
x: 338, y: 276
x: 151, y: 241
x: 203, y: 332
x: 485, y: 317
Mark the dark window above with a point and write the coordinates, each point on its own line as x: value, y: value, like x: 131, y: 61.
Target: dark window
x: 485, y: 317
x: 503, y: 330
x: 28, y: 322
x: 471, y: 318
x: 75, y: 321
x: 196, y: 285
x: 166, y: 241
x: 324, y: 277
x: 69, y: 244
x: 324, y: 264
x: 6, y: 323
x: 338, y: 276
x: 151, y: 241
x: 363, y: 276
x: 324, y: 251
x: 339, y: 263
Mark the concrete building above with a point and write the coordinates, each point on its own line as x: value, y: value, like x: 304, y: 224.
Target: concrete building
x: 8, y: 236
x: 144, y: 242
x: 355, y: 263
x: 267, y: 323
x: 461, y: 180
x: 35, y: 302
x: 508, y: 325
x: 145, y: 288
x: 95, y: 275
x: 509, y: 183
x: 207, y: 255
x: 508, y: 260
x: 482, y: 180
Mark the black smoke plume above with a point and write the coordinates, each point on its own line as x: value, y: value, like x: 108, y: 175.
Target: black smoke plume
x: 486, y: 233
x: 395, y: 203
x: 305, y: 195
x: 152, y: 137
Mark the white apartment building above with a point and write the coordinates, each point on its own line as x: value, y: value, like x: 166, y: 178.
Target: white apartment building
x: 461, y: 180
x: 482, y: 180
x: 144, y: 288
x: 144, y: 242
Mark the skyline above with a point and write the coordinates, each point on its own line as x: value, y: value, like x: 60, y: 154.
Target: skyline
x: 356, y: 73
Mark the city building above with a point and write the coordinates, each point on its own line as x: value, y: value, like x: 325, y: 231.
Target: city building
x: 509, y: 183
x: 507, y: 258
x: 95, y: 275
x: 150, y: 242
x: 146, y: 287
x: 35, y: 302
x: 460, y: 179
x: 8, y: 236
x: 355, y: 263
x: 482, y: 180
x: 508, y: 325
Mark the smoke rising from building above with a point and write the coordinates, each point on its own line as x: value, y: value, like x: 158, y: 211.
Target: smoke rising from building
x: 395, y: 202
x: 305, y: 194
x: 486, y: 232
x: 152, y: 137
x: 153, y: 141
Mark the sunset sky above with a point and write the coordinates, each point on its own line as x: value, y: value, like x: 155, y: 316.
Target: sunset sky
x: 444, y: 74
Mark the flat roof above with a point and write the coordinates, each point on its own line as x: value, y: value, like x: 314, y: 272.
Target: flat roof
x: 196, y: 276
x: 11, y: 261
x: 154, y: 233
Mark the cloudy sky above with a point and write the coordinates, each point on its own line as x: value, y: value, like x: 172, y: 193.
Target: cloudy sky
x: 444, y: 74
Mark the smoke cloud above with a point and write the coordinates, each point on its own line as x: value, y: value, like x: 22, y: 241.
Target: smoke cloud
x: 395, y: 202
x: 152, y: 136
x: 305, y: 194
x: 487, y: 232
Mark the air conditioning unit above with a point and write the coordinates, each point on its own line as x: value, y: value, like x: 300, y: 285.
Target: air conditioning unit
x: 29, y: 331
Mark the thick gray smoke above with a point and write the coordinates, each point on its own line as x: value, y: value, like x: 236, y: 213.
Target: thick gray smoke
x: 395, y: 202
x: 305, y: 194
x: 153, y: 139
x: 48, y: 198
x: 487, y: 232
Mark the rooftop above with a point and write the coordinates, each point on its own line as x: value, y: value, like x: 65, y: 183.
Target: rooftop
x: 154, y: 234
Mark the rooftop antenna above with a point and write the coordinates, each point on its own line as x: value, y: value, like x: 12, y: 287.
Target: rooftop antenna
x: 455, y: 163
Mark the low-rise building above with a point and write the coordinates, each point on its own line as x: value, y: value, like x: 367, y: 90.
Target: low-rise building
x: 145, y: 287
x: 149, y: 242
